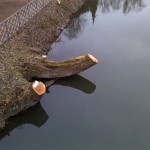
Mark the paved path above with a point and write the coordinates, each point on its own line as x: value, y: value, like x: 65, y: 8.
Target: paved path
x: 8, y: 7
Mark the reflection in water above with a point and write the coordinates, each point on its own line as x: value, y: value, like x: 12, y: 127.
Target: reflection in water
x: 105, y: 6
x: 90, y: 6
x: 35, y: 115
x: 78, y: 23
x: 75, y: 27
x: 79, y: 83
x: 126, y: 5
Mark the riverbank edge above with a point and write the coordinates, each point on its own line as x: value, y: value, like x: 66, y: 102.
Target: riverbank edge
x: 41, y: 32
x: 44, y: 28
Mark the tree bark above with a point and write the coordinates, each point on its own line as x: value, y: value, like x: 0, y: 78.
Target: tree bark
x: 51, y: 69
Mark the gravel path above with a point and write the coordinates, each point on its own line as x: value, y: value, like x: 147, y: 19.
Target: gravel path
x: 8, y: 7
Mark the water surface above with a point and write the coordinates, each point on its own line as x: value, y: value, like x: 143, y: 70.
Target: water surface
x: 107, y: 106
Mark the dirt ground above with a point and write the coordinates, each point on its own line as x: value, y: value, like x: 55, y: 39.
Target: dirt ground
x: 8, y: 7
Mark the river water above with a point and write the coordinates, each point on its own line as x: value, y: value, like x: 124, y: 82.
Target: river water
x: 105, y: 107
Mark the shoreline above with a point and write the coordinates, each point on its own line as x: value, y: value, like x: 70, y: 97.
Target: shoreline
x: 33, y: 40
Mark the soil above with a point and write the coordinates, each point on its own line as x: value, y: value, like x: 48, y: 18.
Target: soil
x: 8, y: 7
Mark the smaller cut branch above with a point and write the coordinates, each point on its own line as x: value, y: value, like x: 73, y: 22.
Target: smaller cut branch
x: 51, y: 69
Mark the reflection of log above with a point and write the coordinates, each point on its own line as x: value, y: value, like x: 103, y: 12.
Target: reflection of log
x: 78, y: 82
x: 66, y: 68
x: 35, y: 116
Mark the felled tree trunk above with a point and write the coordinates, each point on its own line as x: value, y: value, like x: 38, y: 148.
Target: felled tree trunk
x: 51, y: 69
x: 21, y: 59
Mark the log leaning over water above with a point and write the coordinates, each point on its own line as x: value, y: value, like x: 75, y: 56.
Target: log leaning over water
x: 51, y: 69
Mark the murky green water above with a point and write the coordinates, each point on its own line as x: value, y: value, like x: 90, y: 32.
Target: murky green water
x: 105, y: 107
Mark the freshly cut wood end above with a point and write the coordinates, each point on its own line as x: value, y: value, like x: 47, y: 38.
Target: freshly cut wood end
x: 93, y: 58
x: 39, y: 87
